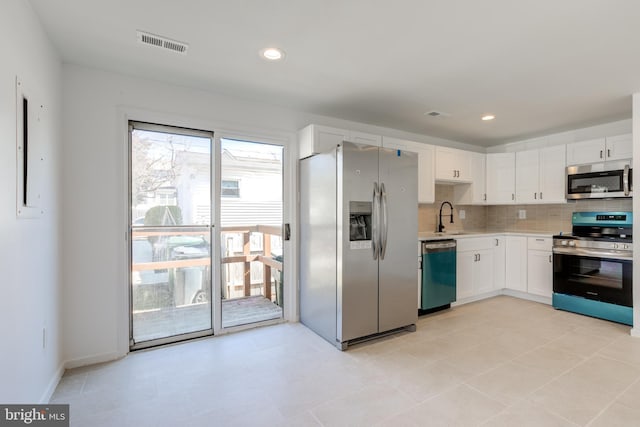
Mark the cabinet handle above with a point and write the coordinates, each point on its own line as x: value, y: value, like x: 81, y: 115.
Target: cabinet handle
x: 454, y: 173
x: 497, y: 242
x: 608, y: 152
x: 539, y: 240
x: 485, y: 197
x: 478, y: 257
x: 541, y: 195
x: 550, y: 258
x: 600, y: 153
x: 513, y: 196
x: 535, y: 196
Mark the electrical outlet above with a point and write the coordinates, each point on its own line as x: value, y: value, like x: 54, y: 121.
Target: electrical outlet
x: 462, y: 214
x: 522, y: 214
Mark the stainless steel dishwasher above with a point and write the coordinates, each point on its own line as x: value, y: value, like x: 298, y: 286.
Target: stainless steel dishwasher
x: 438, y: 287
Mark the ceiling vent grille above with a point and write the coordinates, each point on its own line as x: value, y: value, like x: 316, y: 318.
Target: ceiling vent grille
x: 434, y: 113
x: 162, y: 42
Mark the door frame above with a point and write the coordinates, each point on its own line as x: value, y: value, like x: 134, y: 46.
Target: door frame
x: 156, y: 127
x: 289, y: 307
x: 286, y: 138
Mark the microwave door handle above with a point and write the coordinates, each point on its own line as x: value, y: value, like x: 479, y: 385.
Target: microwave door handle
x: 625, y: 180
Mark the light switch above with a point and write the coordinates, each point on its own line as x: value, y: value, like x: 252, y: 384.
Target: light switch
x: 462, y: 214
x: 522, y: 214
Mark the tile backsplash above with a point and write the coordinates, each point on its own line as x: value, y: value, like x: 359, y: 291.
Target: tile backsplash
x: 539, y: 218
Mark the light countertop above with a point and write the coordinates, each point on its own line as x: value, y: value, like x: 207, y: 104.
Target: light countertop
x: 461, y: 234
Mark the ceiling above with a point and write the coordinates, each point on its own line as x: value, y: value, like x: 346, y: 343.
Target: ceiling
x: 541, y: 67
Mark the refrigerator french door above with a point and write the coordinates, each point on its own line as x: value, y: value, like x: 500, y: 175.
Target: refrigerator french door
x: 358, y: 215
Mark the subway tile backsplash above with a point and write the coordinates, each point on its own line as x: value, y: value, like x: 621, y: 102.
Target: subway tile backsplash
x: 539, y: 218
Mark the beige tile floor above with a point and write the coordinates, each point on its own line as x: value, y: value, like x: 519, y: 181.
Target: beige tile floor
x: 497, y: 362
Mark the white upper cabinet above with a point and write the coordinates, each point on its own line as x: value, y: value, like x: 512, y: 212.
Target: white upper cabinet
x: 527, y: 176
x: 364, y: 138
x: 474, y: 193
x: 617, y: 147
x: 553, y: 175
x: 453, y: 165
x: 540, y: 175
x: 501, y: 179
x: 315, y: 139
x: 426, y: 187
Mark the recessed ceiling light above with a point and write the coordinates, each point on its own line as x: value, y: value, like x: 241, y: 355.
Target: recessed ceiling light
x: 272, y: 53
x: 488, y: 117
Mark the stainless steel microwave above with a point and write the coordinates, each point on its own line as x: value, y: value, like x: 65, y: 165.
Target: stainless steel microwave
x: 599, y: 180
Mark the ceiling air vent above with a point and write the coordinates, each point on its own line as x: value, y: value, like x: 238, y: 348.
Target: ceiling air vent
x: 162, y: 42
x: 434, y: 113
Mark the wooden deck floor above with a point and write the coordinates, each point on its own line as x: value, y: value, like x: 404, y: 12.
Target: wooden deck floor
x: 154, y: 324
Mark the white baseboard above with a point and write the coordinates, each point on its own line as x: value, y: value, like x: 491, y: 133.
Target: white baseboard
x: 527, y: 296
x: 508, y: 292
x: 46, y: 396
x: 92, y: 360
x: 477, y: 298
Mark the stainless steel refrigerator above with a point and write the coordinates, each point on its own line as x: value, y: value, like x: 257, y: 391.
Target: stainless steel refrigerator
x: 358, y: 234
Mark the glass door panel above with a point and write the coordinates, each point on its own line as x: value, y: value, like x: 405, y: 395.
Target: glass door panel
x: 251, y: 232
x: 170, y: 233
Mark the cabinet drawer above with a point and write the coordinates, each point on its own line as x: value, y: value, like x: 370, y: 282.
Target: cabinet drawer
x: 475, y: 243
x: 540, y: 243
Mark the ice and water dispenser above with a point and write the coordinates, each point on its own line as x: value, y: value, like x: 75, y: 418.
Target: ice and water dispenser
x: 360, y: 227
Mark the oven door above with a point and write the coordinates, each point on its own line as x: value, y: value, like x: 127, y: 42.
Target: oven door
x: 592, y: 277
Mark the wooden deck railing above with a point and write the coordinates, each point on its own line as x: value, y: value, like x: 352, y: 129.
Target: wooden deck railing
x: 247, y: 257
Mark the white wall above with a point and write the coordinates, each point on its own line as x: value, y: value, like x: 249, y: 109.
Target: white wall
x: 96, y: 106
x: 29, y: 248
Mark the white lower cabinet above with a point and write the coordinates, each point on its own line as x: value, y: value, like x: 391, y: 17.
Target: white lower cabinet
x: 540, y: 266
x: 516, y: 263
x: 475, y: 267
x: 499, y: 262
x: 485, y: 266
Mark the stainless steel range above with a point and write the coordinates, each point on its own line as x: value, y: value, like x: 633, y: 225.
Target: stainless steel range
x: 593, y: 267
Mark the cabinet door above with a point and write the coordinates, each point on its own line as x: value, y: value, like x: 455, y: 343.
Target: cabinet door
x: 315, y: 139
x: 553, y: 175
x: 540, y: 273
x: 478, y: 178
x: 452, y: 165
x: 620, y: 147
x: 527, y: 166
x: 426, y: 178
x: 499, y: 262
x: 590, y: 151
x: 500, y: 178
x: 365, y: 138
x: 483, y: 272
x: 464, y: 274
x: 426, y: 187
x: 516, y: 263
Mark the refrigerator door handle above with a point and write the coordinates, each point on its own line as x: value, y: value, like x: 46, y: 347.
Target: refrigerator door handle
x: 375, y: 219
x: 385, y: 221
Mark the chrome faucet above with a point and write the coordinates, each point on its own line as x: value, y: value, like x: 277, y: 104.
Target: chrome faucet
x: 440, y: 225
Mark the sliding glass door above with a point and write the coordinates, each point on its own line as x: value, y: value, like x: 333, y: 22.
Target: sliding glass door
x: 251, y: 189
x: 170, y: 234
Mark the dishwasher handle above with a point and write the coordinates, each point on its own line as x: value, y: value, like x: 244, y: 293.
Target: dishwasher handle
x: 438, y: 245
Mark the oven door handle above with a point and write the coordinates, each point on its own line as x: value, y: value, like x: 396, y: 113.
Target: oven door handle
x: 592, y: 254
